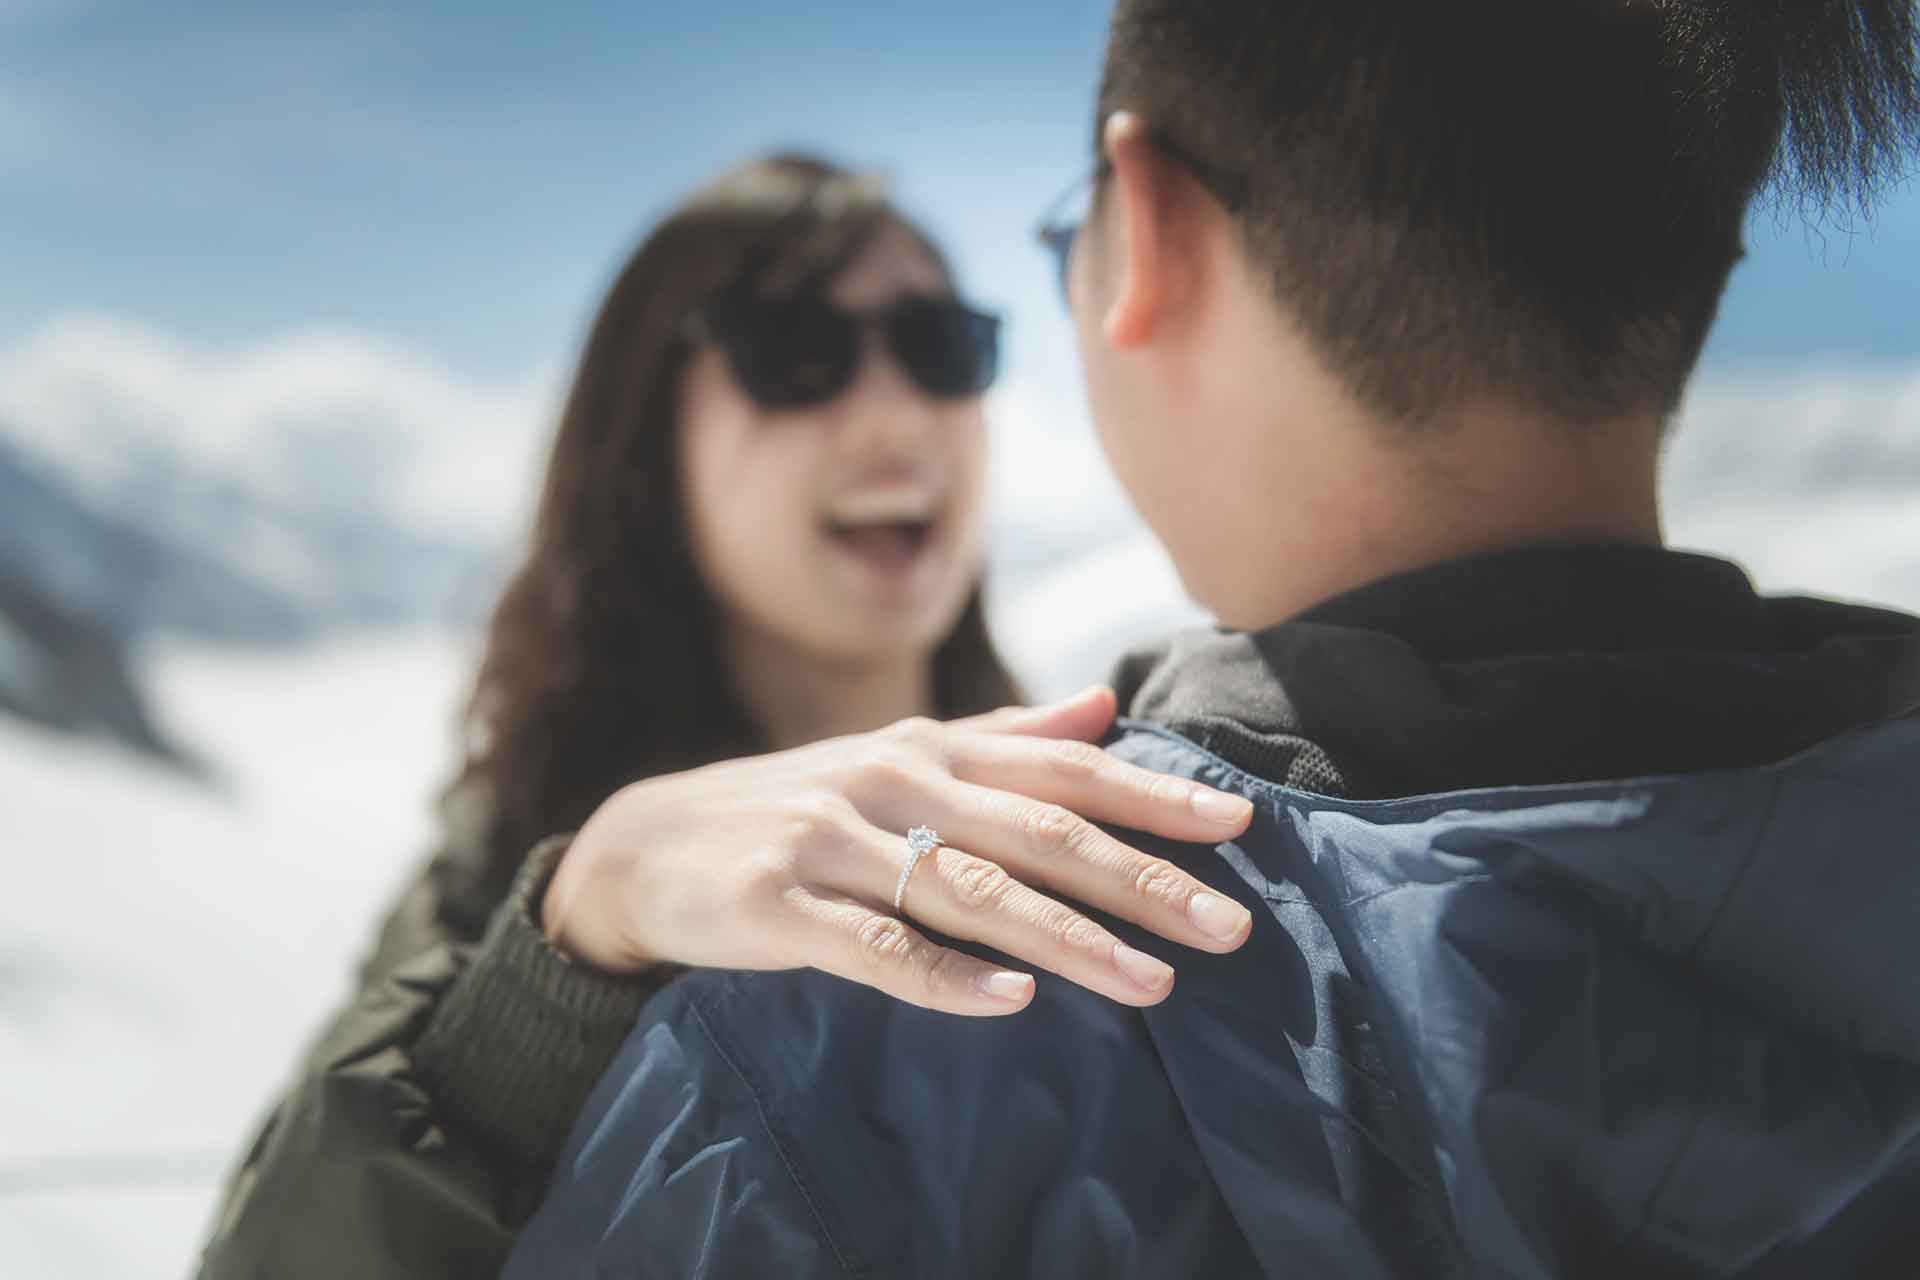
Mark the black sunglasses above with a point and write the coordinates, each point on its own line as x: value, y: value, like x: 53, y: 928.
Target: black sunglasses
x: 800, y: 352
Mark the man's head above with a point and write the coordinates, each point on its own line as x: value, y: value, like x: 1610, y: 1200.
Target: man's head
x: 1380, y: 281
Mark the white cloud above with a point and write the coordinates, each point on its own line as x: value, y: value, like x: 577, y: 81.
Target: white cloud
x: 330, y: 419
x: 1812, y: 479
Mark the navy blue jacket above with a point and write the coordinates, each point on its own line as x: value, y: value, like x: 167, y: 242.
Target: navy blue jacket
x: 1658, y: 1027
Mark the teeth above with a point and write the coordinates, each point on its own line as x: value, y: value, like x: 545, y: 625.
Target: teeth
x: 885, y: 506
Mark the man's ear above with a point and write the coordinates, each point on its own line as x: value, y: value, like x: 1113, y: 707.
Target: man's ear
x: 1148, y: 197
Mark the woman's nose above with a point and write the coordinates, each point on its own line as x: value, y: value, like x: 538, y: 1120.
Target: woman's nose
x: 887, y: 410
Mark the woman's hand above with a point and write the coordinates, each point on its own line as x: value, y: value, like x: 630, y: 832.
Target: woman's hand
x: 791, y: 860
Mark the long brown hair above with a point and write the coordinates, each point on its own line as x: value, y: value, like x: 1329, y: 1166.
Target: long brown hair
x: 602, y: 664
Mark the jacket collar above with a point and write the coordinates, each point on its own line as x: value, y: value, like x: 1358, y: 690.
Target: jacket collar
x: 1550, y: 664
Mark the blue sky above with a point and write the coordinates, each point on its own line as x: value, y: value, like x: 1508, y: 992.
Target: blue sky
x: 463, y: 177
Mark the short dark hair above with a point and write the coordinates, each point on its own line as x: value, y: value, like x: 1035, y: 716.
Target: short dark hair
x: 1539, y: 200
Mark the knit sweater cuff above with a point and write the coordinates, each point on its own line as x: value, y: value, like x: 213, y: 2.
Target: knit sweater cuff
x: 523, y: 1035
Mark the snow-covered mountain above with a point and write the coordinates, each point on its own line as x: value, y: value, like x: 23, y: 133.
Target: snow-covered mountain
x: 261, y: 493
x: 259, y: 497
x: 85, y: 578
x: 130, y: 578
x: 168, y: 545
x: 62, y: 670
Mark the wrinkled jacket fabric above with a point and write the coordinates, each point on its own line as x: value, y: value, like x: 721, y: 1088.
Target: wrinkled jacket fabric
x: 1658, y: 1027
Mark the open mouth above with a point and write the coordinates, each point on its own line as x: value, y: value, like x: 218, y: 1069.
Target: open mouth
x: 884, y: 543
x: 887, y: 529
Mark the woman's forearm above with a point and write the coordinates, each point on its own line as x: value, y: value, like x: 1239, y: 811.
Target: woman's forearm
x: 522, y: 1037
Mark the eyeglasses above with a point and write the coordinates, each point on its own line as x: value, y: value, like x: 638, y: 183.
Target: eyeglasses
x: 1067, y: 216
x: 797, y: 353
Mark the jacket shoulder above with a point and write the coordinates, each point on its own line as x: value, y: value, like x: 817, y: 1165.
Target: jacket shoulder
x: 674, y: 1167
x: 844, y: 1133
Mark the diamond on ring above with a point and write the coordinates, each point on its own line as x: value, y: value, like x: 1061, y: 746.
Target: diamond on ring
x: 921, y: 841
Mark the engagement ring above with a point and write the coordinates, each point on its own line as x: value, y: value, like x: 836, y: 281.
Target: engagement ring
x: 921, y: 841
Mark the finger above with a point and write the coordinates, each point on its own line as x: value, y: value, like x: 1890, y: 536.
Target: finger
x: 976, y: 899
x: 1051, y: 848
x: 856, y: 942
x: 1098, y: 785
x: 1085, y: 717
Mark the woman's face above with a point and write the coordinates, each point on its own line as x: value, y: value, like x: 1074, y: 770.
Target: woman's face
x: 849, y: 530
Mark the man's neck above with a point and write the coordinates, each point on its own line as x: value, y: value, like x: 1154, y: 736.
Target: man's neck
x: 1383, y: 504
x: 797, y: 698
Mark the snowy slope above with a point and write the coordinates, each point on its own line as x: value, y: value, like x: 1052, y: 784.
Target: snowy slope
x: 165, y: 948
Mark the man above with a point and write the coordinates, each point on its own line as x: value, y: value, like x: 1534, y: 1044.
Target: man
x: 1384, y: 310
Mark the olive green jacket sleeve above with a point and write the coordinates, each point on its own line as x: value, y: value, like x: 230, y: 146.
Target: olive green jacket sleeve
x: 421, y: 1129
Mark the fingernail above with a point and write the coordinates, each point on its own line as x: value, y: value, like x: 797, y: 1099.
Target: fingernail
x: 1218, y: 806
x: 1141, y: 969
x: 1016, y: 988
x: 1218, y: 917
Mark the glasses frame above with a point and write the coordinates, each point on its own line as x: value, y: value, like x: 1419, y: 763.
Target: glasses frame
x: 1057, y: 232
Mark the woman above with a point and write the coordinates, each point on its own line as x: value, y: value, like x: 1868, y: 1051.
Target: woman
x: 760, y: 530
